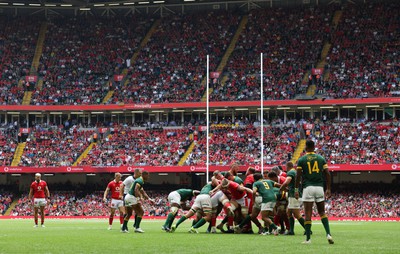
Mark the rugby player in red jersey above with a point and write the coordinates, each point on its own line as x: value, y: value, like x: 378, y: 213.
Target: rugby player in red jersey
x: 116, y: 201
x: 40, y: 193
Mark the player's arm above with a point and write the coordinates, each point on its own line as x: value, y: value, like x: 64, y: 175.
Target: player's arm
x: 47, y: 192
x: 286, y: 183
x: 242, y: 188
x: 255, y: 189
x: 30, y: 193
x: 328, y: 181
x: 105, y: 194
x: 215, y: 189
x: 121, y: 190
x: 144, y: 194
x: 138, y: 192
x: 277, y: 185
x: 299, y: 173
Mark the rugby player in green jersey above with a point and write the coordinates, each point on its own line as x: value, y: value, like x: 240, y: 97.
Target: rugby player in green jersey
x: 294, y: 205
x: 177, y: 199
x: 202, y: 202
x: 265, y: 189
x: 135, y: 194
x: 311, y: 171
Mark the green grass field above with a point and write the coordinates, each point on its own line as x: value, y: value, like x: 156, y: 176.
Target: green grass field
x: 92, y: 236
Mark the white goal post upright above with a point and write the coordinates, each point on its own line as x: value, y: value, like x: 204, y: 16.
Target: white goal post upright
x: 262, y: 113
x: 208, y: 120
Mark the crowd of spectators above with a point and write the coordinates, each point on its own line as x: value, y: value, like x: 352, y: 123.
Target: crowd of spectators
x: 141, y: 147
x: 54, y: 146
x: 291, y: 40
x: 172, y: 65
x: 367, y: 142
x: 241, y: 143
x: 8, y: 145
x: 18, y: 37
x: 364, y: 57
x: 6, y: 199
x: 80, y: 59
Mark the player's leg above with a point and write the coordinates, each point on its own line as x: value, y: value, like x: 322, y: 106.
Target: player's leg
x: 171, y: 216
x: 127, y: 216
x: 121, y: 209
x: 42, y: 215
x: 111, y: 218
x: 324, y: 220
x: 35, y: 215
x: 206, y: 208
x: 139, y: 212
x: 189, y: 214
x: 307, y: 222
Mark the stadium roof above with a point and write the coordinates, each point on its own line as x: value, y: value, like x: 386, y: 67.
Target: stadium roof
x: 147, y: 7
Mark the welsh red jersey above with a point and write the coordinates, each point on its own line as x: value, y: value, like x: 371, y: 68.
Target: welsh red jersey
x: 281, y: 179
x: 39, y: 189
x: 249, y: 180
x: 114, y: 188
x: 233, y: 189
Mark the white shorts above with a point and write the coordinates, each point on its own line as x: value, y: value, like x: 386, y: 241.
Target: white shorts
x: 116, y: 203
x: 257, y: 202
x: 242, y: 201
x: 218, y: 198
x: 130, y: 200
x: 37, y: 202
x: 174, y: 198
x: 269, y: 206
x: 294, y: 203
x: 313, y: 194
x: 202, y: 201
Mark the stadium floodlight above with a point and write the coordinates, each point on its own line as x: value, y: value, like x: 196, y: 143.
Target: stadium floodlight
x: 90, y: 174
x: 189, y: 0
x: 137, y: 112
x: 50, y: 5
x: 13, y: 113
x: 395, y: 173
x: 157, y: 111
x: 349, y: 106
x: 66, y: 5
x: 3, y: 3
x: 97, y: 112
x: 303, y: 107
x: 159, y: 2
x: 115, y: 4
x: 199, y: 110
x: 220, y: 109
x: 283, y: 108
x: 241, y: 109
x: 55, y: 113
x: 143, y: 2
x: 372, y: 106
x: 322, y: 107
x: 394, y: 105
x: 178, y: 110
x: 15, y: 174
x: 18, y: 4
x: 84, y: 9
x: 117, y: 112
x: 128, y: 3
x: 38, y: 5
x: 99, y: 5
x: 48, y: 174
x: 355, y: 173
x: 263, y: 108
x: 162, y: 174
